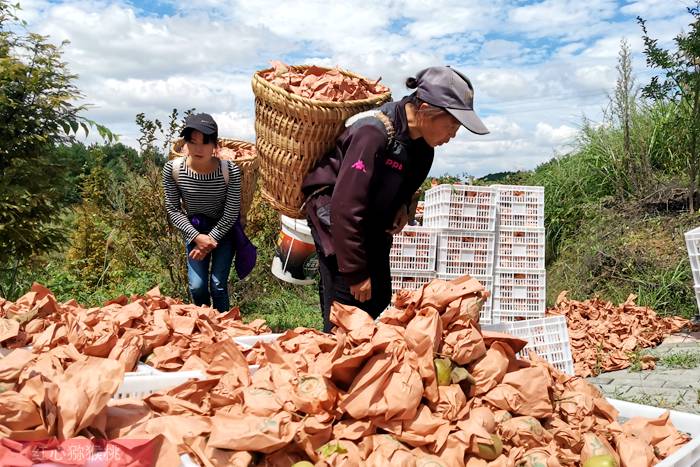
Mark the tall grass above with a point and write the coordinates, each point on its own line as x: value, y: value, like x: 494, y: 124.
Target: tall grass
x: 596, y: 173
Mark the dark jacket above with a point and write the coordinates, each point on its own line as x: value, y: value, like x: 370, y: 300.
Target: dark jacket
x: 367, y: 179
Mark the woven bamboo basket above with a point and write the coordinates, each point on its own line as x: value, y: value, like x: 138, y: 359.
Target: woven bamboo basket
x: 249, y: 166
x: 293, y: 133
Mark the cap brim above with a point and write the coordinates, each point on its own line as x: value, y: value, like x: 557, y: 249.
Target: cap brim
x: 205, y: 130
x: 469, y: 120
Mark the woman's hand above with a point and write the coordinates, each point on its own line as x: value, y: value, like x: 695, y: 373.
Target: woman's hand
x: 400, y: 220
x: 198, y: 254
x: 362, y: 291
x: 205, y: 242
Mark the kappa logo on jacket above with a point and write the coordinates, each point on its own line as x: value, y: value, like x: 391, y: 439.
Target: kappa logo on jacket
x: 394, y: 164
x: 360, y: 166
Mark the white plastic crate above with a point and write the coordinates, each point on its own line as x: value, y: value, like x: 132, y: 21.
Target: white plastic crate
x: 142, y: 385
x: 142, y: 369
x: 518, y: 295
x: 692, y: 241
x: 520, y: 206
x: 520, y: 248
x: 689, y: 454
x: 548, y: 337
x: 4, y: 351
x: 487, y: 281
x: 410, y: 280
x: 462, y: 207
x: 249, y: 341
x: 414, y: 249
x: 461, y: 253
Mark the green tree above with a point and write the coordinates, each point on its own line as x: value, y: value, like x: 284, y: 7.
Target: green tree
x: 142, y: 218
x: 679, y: 85
x: 37, y: 112
x: 91, y: 232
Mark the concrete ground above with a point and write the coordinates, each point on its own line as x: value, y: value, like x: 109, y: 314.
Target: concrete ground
x: 674, y: 384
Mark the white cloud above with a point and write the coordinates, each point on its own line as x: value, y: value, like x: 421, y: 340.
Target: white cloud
x: 236, y: 124
x: 448, y: 17
x: 608, y: 47
x: 595, y: 77
x: 503, y: 85
x: 537, y: 68
x: 500, y: 49
x: 563, y: 18
x: 111, y: 41
x: 501, y: 127
x: 557, y: 137
x: 478, y: 157
x: 648, y: 8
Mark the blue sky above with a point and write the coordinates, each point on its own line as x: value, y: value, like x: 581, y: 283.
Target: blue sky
x: 537, y: 66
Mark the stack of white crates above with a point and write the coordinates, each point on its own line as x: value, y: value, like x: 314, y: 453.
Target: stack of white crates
x: 495, y: 234
x: 692, y: 241
x: 492, y: 233
x: 461, y: 220
x: 519, y: 274
x: 412, y: 257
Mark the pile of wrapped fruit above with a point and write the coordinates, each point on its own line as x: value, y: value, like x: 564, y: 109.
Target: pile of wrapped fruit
x: 423, y: 385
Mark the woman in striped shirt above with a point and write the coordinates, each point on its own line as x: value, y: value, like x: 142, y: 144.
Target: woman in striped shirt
x: 203, y: 200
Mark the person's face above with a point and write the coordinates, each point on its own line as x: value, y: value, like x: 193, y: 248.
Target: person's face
x: 439, y: 129
x: 196, y: 147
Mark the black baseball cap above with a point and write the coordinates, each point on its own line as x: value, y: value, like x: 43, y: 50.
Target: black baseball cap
x: 200, y: 122
x: 445, y: 87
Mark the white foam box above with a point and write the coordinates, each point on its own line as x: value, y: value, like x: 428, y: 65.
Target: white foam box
x: 249, y: 341
x: 141, y: 368
x: 141, y: 386
x: 686, y: 456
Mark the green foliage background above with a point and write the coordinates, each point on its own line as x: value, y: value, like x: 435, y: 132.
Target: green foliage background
x: 89, y: 221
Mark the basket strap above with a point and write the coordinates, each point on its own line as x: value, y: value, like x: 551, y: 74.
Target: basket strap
x: 379, y: 115
x: 224, y: 171
x: 382, y: 117
x: 177, y: 164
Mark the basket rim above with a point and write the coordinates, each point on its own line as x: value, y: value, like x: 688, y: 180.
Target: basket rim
x: 305, y: 100
x: 222, y: 142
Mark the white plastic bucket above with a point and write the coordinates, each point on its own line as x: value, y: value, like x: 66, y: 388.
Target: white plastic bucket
x: 295, y: 259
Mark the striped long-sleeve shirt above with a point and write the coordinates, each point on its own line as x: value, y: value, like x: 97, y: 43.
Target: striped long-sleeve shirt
x: 205, y: 194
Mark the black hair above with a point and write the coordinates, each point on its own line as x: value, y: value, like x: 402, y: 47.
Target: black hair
x: 212, y: 138
x: 411, y: 83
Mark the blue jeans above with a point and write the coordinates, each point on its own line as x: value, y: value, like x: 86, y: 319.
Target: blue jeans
x: 205, y: 287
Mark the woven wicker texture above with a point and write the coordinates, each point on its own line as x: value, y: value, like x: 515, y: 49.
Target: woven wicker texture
x: 293, y: 133
x: 249, y: 165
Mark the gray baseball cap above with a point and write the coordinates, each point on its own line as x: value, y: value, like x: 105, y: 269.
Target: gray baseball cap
x: 201, y: 122
x: 449, y: 89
